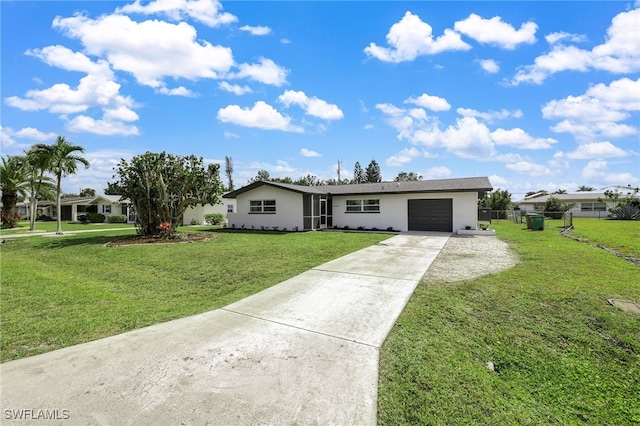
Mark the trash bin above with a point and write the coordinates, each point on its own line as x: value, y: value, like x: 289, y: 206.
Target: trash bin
x: 537, y: 223
x: 528, y: 216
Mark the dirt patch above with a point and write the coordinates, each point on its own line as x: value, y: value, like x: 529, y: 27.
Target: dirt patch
x: 183, y: 237
x: 466, y: 257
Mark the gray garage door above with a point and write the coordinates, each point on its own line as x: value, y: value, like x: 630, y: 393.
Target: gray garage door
x: 431, y: 215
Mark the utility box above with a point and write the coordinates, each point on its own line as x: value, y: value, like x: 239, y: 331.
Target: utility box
x: 484, y: 215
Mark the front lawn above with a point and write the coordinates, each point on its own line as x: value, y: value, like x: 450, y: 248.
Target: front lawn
x: 620, y: 235
x: 561, y: 353
x: 23, y: 227
x: 60, y: 291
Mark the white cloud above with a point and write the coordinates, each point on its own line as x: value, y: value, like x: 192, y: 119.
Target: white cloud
x: 598, y: 171
x: 101, y: 170
x: 85, y: 124
x: 434, y: 103
x: 256, y: 31
x: 620, y: 53
x: 498, y: 181
x: 231, y: 135
x: 520, y: 139
x: 439, y: 172
x: 312, y: 106
x: 261, y: 116
x: 266, y: 71
x: 597, y: 113
x: 66, y: 59
x: 489, y: 116
x: 285, y: 41
x: 234, y: 88
x: 178, y: 91
x: 411, y: 37
x: 489, y: 65
x: 34, y: 134
x: 309, y: 153
x: 468, y: 139
x: 496, y: 32
x: 403, y: 157
x: 151, y: 50
x: 207, y: 12
x: 5, y: 137
x: 560, y: 36
x: 597, y: 150
x: 529, y: 169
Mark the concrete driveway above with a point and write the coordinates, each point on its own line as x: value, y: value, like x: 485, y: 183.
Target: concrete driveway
x: 302, y: 352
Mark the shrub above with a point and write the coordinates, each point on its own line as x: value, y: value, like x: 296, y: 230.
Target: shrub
x: 96, y: 217
x: 82, y: 218
x: 194, y: 222
x: 390, y: 228
x: 44, y: 218
x: 117, y: 218
x: 360, y: 228
x: 346, y: 227
x: 626, y: 212
x: 213, y: 218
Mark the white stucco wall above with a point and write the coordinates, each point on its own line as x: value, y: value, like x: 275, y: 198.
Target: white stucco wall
x: 197, y: 213
x: 288, y: 209
x: 394, y: 210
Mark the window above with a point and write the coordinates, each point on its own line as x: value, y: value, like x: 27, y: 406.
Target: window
x: 229, y: 208
x: 363, y: 206
x: 106, y: 208
x: 262, y: 206
x: 593, y: 207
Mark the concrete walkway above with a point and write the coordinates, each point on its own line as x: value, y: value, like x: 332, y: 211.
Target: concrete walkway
x: 302, y: 352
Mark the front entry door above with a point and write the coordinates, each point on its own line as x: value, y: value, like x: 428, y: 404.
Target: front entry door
x: 323, y: 213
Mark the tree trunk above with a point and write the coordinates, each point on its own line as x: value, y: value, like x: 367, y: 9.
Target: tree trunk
x: 33, y: 211
x: 9, y: 200
x: 58, y: 207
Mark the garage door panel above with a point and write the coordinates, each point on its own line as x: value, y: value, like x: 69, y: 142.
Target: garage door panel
x: 431, y: 215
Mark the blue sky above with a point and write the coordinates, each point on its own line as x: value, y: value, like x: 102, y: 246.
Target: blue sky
x: 535, y: 95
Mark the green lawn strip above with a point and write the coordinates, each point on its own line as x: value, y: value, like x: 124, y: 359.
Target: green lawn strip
x: 562, y: 354
x: 66, y: 227
x: 619, y: 235
x: 61, y: 291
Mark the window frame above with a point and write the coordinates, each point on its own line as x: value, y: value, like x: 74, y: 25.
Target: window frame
x: 362, y: 205
x: 262, y: 207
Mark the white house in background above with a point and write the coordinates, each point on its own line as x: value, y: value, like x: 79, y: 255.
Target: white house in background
x: 587, y: 204
x: 444, y: 205
x: 197, y: 214
x: 71, y: 208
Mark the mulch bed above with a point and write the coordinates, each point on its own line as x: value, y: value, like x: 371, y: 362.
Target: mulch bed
x: 182, y: 237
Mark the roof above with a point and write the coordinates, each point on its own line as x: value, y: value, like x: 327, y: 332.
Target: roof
x: 574, y: 196
x: 113, y: 199
x: 479, y: 184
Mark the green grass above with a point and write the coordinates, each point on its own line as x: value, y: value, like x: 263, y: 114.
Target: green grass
x: 562, y: 354
x: 66, y: 227
x: 60, y: 291
x: 620, y: 235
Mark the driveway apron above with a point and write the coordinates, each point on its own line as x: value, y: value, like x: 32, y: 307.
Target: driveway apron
x: 304, y: 351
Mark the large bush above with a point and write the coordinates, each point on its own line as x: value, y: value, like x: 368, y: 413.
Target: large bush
x: 214, y: 218
x: 96, y: 217
x: 162, y: 186
x: 117, y: 218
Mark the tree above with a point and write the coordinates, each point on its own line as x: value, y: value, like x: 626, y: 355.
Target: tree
x: 62, y: 161
x: 499, y: 200
x: 88, y: 192
x: 12, y: 182
x: 358, y: 174
x: 540, y: 192
x: 585, y: 188
x: 406, y: 177
x: 560, y: 191
x: 372, y: 173
x: 336, y: 182
x: 40, y: 185
x: 262, y: 175
x: 308, y: 180
x: 555, y: 207
x: 228, y: 170
x: 162, y: 186
x: 112, y: 189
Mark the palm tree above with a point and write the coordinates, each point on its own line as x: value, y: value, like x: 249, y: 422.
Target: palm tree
x: 63, y: 161
x: 36, y: 167
x: 585, y: 188
x: 12, y: 183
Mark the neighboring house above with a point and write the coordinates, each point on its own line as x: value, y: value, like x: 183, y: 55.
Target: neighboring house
x: 71, y: 208
x: 587, y: 204
x: 431, y: 205
x: 197, y: 213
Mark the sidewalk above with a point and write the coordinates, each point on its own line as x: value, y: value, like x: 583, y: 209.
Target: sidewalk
x: 302, y: 352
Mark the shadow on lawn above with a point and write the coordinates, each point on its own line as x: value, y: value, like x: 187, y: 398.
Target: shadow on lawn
x: 248, y: 231
x: 70, y: 241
